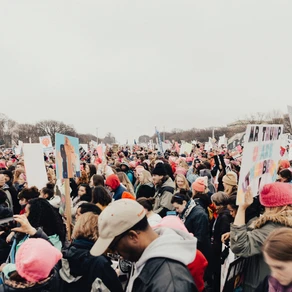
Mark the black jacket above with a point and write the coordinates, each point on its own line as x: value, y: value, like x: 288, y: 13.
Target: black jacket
x: 197, y: 223
x: 51, y: 285
x: 220, y: 226
x: 162, y: 274
x: 145, y: 191
x: 85, y: 269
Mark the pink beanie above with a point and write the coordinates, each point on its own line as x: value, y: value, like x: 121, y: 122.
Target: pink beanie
x: 199, y: 184
x: 180, y: 170
x: 36, y: 258
x: 276, y: 194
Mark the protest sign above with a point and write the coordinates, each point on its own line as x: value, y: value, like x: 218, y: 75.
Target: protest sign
x: 46, y: 143
x: 186, y: 147
x: 84, y: 146
x: 225, y: 266
x: 222, y: 141
x: 34, y: 165
x: 260, y: 158
x: 235, y: 276
x: 67, y: 157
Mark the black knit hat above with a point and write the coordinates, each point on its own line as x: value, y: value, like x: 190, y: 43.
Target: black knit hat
x: 159, y: 169
x: 9, y: 173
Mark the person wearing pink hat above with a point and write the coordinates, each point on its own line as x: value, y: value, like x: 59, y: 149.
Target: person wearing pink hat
x: 277, y: 200
x: 35, y: 268
x: 200, y: 194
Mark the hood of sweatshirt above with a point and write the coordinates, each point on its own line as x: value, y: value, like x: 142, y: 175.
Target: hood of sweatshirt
x: 172, y: 244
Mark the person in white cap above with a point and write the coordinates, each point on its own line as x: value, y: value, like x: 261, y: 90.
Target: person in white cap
x: 159, y: 256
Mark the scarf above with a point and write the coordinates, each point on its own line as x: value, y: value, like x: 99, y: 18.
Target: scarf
x: 189, y: 207
x: 275, y: 286
x: 25, y: 285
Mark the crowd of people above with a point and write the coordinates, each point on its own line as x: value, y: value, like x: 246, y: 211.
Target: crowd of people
x: 143, y: 220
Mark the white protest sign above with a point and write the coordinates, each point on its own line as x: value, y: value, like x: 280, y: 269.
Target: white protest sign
x: 34, y: 165
x: 84, y: 146
x: 260, y: 158
x: 165, y: 146
x: 224, y: 268
x: 222, y: 140
x: 186, y: 147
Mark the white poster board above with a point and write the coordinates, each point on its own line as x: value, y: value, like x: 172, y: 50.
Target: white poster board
x: 84, y: 146
x: 225, y: 267
x: 34, y: 165
x: 260, y: 158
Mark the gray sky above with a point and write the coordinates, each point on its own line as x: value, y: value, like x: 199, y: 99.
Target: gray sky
x: 128, y: 66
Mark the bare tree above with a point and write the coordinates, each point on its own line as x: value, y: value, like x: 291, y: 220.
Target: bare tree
x: 27, y: 132
x: 109, y: 139
x: 51, y: 127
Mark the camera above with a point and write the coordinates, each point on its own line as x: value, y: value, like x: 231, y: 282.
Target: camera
x: 7, y: 224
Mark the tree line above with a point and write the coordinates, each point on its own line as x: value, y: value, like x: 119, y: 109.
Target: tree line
x: 11, y: 131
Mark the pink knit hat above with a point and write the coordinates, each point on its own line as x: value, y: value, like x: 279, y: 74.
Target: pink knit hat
x: 172, y: 222
x: 35, y: 259
x: 276, y: 194
x: 199, y: 184
x: 180, y: 170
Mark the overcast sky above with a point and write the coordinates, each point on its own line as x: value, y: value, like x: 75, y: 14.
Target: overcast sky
x: 127, y: 66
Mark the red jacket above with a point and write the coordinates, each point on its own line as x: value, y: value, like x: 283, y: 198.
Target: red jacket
x: 197, y: 269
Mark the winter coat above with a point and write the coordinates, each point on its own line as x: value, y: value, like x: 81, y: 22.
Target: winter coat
x: 197, y: 223
x: 197, y: 269
x: 161, y: 267
x: 220, y: 226
x: 83, y: 272
x: 248, y: 244
x: 145, y: 190
x: 50, y: 284
x: 163, y: 196
x: 118, y: 192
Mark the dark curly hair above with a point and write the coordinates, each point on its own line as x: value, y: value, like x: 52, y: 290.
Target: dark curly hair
x: 29, y: 193
x: 42, y: 214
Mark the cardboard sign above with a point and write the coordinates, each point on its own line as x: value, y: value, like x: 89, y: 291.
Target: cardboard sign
x: 260, y: 158
x: 67, y: 156
x: 34, y: 165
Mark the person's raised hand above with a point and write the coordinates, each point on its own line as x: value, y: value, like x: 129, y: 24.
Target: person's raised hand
x: 25, y: 226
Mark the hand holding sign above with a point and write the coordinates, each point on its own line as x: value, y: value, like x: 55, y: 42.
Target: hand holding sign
x: 248, y: 199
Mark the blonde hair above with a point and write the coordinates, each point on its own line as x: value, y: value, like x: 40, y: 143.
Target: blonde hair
x: 186, y: 183
x: 125, y: 181
x: 147, y: 178
x: 86, y: 226
x: 228, y: 189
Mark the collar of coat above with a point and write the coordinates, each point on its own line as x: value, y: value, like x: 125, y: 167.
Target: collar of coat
x: 283, y: 217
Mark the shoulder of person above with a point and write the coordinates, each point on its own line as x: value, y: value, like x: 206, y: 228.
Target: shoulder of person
x: 160, y: 272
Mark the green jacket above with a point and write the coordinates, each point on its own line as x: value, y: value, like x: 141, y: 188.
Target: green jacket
x: 248, y: 244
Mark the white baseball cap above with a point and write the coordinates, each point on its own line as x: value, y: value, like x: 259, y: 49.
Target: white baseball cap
x: 118, y: 217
